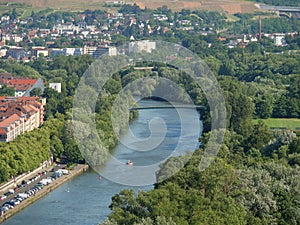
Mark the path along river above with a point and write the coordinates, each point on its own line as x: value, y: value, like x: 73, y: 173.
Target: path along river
x: 84, y: 200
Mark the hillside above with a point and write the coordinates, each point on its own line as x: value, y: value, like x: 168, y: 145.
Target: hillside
x: 231, y: 6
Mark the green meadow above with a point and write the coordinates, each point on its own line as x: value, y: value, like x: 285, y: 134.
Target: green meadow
x: 281, y: 123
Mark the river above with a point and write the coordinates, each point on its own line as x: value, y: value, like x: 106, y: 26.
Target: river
x: 84, y: 200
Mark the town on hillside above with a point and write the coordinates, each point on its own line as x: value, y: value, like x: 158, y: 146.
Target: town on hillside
x: 97, y: 32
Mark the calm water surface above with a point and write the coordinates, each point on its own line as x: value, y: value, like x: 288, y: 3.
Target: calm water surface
x: 88, y: 198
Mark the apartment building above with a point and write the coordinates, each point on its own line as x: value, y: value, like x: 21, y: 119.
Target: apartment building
x: 22, y: 85
x: 19, y: 115
x: 97, y: 51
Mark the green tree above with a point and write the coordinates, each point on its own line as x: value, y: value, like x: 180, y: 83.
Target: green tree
x: 7, y: 91
x: 36, y: 92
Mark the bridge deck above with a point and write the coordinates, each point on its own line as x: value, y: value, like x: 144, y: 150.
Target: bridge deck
x: 169, y: 107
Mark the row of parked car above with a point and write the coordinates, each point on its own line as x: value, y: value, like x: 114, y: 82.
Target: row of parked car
x: 23, y: 184
x: 19, y: 198
x: 32, y: 191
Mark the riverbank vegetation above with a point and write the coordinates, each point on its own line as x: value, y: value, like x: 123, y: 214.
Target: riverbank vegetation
x: 254, y: 179
x: 55, y: 138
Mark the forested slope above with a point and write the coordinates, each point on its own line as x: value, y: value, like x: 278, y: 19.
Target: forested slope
x: 280, y: 2
x: 254, y: 180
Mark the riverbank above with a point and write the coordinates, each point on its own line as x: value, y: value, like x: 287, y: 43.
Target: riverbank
x: 55, y: 184
x: 12, y: 183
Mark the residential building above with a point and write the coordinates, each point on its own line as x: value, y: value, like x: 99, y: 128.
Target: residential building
x: 16, y: 53
x: 279, y: 40
x: 55, y: 86
x: 38, y: 51
x: 18, y: 115
x: 3, y: 52
x: 115, y: 2
x: 139, y: 46
x: 66, y: 51
x: 11, y: 127
x: 22, y: 85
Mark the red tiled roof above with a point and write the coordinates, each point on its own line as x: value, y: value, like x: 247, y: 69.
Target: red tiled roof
x: 34, y: 108
x: 9, y: 120
x: 27, y: 108
x: 2, y: 131
x: 40, y: 49
x: 19, y: 84
x: 32, y: 32
x: 20, y: 81
x: 15, y: 108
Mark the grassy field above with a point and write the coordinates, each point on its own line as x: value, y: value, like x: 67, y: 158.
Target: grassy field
x: 230, y: 6
x: 23, y: 9
x: 272, y: 123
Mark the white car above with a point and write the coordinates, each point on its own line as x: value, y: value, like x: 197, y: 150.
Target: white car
x: 8, y: 206
x: 16, y: 201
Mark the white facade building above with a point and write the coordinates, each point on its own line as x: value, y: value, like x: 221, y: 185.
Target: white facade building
x: 279, y: 40
x: 139, y: 46
x: 97, y: 51
x: 55, y: 86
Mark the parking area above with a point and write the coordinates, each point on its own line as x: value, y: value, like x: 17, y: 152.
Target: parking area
x: 29, y: 188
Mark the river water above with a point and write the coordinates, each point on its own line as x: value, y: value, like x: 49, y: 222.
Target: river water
x: 84, y: 200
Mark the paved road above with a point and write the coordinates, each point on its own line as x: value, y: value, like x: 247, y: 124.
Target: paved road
x: 31, y: 185
x: 60, y: 180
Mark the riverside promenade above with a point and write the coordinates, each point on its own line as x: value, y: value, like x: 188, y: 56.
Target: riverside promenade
x: 78, y: 169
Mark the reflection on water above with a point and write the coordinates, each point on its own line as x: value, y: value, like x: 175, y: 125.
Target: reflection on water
x: 84, y: 200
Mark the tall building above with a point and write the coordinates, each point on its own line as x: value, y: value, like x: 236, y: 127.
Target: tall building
x: 97, y: 51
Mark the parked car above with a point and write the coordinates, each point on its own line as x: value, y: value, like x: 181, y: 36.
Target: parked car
x: 7, y: 194
x: 8, y: 206
x: 15, y: 202
x: 23, y: 195
x: 3, y: 197
x: 3, y: 208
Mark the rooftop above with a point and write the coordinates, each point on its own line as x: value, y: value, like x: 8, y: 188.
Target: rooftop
x: 7, y: 122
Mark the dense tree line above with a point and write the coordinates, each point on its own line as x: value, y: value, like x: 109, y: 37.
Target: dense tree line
x: 27, y: 151
x: 280, y: 2
x: 55, y: 137
x: 254, y: 180
x: 6, y: 91
x: 244, y: 185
